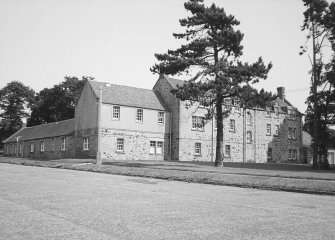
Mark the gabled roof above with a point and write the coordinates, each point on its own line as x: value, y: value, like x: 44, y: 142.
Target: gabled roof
x: 128, y: 96
x: 174, y: 82
x: 47, y: 130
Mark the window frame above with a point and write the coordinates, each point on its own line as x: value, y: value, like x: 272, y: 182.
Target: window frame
x: 269, y: 154
x: 63, y: 143
x: 154, y: 146
x: 276, y: 130
x: 120, y: 145
x: 227, y: 147
x: 86, y: 144
x: 249, y: 118
x: 249, y: 137
x: 32, y: 147
x: 268, y: 129
x: 268, y: 112
x: 198, y: 123
x: 197, y: 148
x: 41, y: 146
x: 139, y: 115
x: 232, y: 125
x: 276, y: 109
x: 52, y: 144
x: 116, y: 110
x: 161, y: 118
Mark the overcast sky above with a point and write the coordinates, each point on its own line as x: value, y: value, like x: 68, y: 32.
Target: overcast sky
x: 41, y: 41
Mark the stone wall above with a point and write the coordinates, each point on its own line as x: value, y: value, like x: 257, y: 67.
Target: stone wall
x: 136, y: 145
x: 92, y: 135
x: 163, y: 89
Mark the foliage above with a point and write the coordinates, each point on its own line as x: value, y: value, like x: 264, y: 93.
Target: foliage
x: 211, y: 59
x: 15, y: 101
x: 319, y: 21
x: 57, y: 103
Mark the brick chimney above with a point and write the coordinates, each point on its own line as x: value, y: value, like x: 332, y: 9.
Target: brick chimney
x: 281, y: 92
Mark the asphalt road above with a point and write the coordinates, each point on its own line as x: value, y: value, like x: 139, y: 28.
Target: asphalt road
x: 44, y: 203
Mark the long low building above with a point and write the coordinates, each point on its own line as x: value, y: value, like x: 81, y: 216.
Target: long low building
x: 141, y: 124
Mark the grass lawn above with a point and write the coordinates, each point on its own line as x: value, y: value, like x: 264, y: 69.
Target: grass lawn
x: 284, y: 177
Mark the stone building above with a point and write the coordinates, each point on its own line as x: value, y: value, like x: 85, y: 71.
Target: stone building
x: 142, y: 124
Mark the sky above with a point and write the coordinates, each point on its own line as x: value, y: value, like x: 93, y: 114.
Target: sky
x: 42, y: 41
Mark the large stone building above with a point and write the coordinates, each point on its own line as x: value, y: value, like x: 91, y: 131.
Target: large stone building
x: 141, y: 124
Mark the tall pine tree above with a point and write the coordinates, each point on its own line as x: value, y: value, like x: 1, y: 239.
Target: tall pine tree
x: 211, y: 57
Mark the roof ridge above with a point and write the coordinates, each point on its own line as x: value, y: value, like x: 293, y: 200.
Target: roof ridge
x: 122, y: 85
x: 50, y: 123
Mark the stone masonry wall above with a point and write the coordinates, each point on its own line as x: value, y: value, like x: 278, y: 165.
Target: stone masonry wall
x: 92, y: 135
x: 163, y: 88
x: 136, y: 145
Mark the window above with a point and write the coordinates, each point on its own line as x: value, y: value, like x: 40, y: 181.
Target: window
x: 20, y: 149
x: 269, y: 154
x: 63, y: 144
x: 232, y: 125
x: 290, y: 154
x: 156, y: 147
x: 52, y: 144
x: 139, y: 115
x: 85, y: 143
x: 249, y: 137
x: 268, y: 129
x: 116, y: 112
x: 161, y: 117
x: 276, y: 112
x: 42, y: 146
x: 120, y: 145
x: 201, y: 102
x: 197, y: 148
x: 249, y: 118
x: 292, y: 133
x: 276, y: 130
x: 268, y: 111
x: 32, y: 146
x: 294, y: 154
x: 289, y: 133
x: 198, y: 123
x: 227, y: 150
x: 152, y: 147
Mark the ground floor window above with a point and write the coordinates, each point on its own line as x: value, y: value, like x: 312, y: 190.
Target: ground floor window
x: 197, y: 148
x: 85, y: 143
x: 156, y: 147
x: 120, y: 145
x: 292, y: 154
x: 32, y: 146
x: 227, y: 150
x: 63, y: 143
x: 269, y: 154
x: 42, y: 146
x: 52, y: 144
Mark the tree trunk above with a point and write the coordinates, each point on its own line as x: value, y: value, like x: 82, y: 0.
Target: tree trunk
x: 219, y: 133
x: 315, y: 103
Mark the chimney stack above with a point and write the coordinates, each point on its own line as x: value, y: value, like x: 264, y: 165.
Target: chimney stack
x: 281, y: 92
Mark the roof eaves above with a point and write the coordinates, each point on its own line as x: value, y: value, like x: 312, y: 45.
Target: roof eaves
x: 18, y: 131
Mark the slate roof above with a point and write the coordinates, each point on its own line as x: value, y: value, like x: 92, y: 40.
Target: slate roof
x: 174, y: 82
x: 128, y: 96
x: 47, y: 130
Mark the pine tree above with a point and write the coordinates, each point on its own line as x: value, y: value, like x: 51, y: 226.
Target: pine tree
x: 211, y: 58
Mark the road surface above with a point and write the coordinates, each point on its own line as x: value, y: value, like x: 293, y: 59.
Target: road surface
x: 44, y: 203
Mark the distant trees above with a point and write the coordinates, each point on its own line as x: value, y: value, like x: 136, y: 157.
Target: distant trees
x: 57, y: 103
x: 15, y: 103
x: 319, y: 21
x: 211, y: 57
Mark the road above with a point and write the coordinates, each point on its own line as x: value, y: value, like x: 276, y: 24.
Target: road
x: 44, y: 203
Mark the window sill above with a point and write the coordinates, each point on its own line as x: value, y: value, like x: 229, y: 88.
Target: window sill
x: 115, y: 119
x: 269, y: 135
x: 232, y: 131
x: 197, y: 155
x: 197, y: 130
x: 139, y: 122
x: 120, y: 152
x: 159, y: 154
x: 161, y: 124
x: 86, y: 150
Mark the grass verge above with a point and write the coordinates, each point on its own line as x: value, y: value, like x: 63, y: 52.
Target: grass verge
x: 190, y: 173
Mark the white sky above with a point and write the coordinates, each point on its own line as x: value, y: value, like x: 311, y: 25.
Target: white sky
x: 41, y: 41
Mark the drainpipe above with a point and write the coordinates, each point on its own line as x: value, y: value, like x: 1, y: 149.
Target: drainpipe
x: 98, y: 162
x: 212, y: 148
x: 170, y: 149
x: 255, y: 134
x: 244, y: 135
